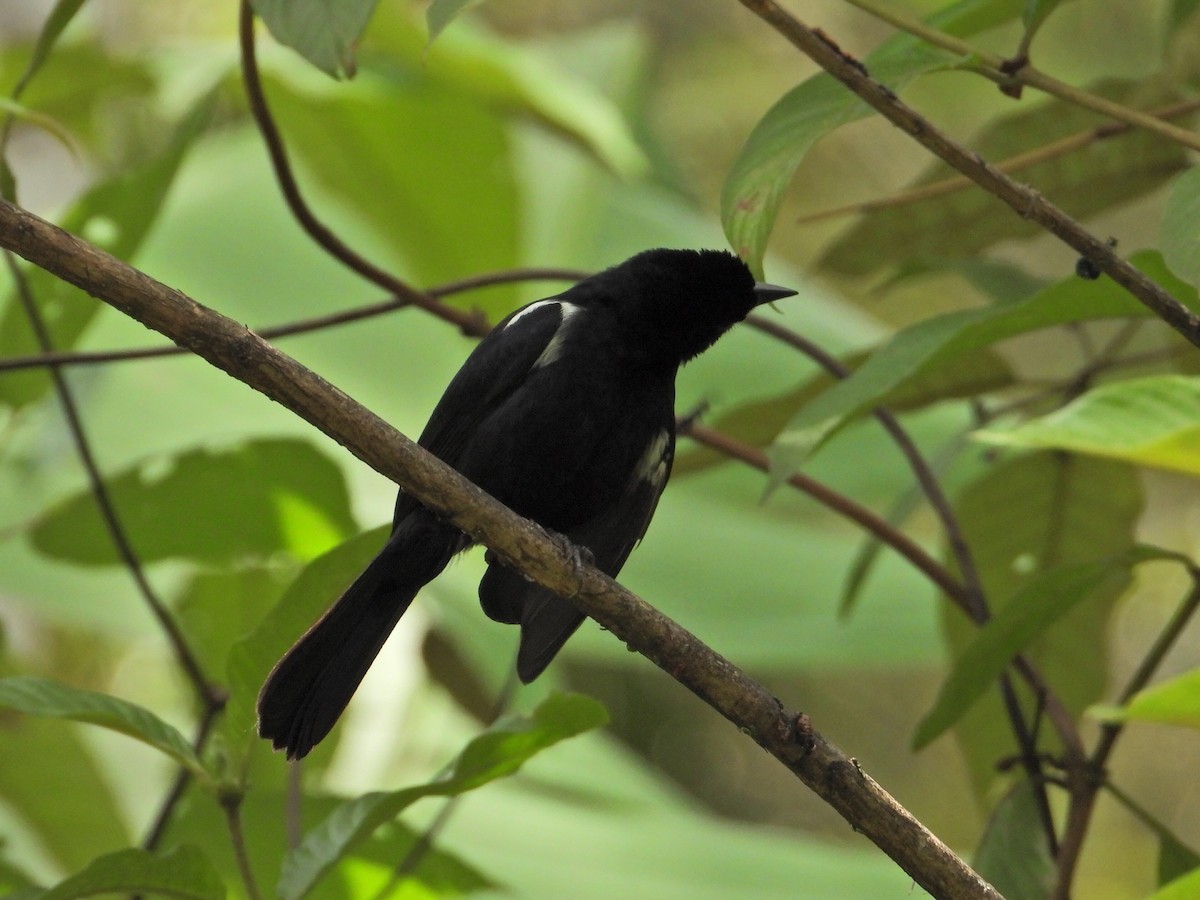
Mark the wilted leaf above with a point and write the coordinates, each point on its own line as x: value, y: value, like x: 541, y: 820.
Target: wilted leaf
x: 961, y: 224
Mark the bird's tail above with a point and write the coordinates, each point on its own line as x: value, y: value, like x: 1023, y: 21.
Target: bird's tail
x: 309, y: 688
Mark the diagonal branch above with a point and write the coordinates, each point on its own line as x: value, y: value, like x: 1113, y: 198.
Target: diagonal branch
x: 832, y: 775
x: 1027, y: 202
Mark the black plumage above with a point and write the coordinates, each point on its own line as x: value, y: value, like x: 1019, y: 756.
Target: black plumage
x: 565, y: 413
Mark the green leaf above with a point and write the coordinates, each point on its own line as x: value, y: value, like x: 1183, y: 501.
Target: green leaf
x: 116, y: 215
x: 41, y: 697
x: 257, y: 499
x: 51, y: 779
x: 60, y: 17
x: 1180, y: 235
x: 1186, y: 887
x: 1044, y: 601
x: 183, y: 872
x: 961, y: 224
x: 1036, y: 12
x: 499, y: 751
x: 441, y: 13
x: 311, y: 592
x: 934, y: 342
x: 444, y: 206
x: 1013, y: 856
x: 1024, y: 518
x: 325, y: 32
x: 1175, y: 858
x: 1173, y: 702
x: 754, y: 187
x: 759, y: 422
x: 513, y: 80
x: 1148, y: 421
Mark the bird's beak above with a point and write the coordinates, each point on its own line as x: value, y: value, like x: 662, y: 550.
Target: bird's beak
x: 768, y: 293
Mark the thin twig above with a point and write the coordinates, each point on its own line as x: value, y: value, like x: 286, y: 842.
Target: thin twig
x: 314, y: 227
x: 843, y: 505
x: 1045, y: 153
x: 206, y: 690
x: 305, y: 326
x: 183, y: 778
x: 1002, y: 71
x: 231, y: 804
x: 1027, y: 202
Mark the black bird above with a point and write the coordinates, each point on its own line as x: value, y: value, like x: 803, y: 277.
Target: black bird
x: 565, y: 413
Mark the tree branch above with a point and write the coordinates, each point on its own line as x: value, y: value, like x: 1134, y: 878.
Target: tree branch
x: 1027, y: 202
x: 836, y: 778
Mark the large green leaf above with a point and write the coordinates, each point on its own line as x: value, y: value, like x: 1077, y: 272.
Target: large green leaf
x: 934, y: 342
x: 498, y: 752
x: 183, y: 872
x: 512, y: 78
x: 962, y: 223
x: 1149, y: 421
x: 757, y: 180
x: 40, y: 697
x: 425, y: 168
x: 1180, y: 237
x: 1025, y: 520
x: 1044, y: 601
x: 325, y: 32
x: 116, y: 215
x: 254, y: 500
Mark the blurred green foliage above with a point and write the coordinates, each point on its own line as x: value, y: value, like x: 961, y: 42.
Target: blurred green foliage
x: 573, y: 135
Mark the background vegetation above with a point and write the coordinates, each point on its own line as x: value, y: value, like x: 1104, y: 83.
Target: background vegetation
x: 1057, y: 415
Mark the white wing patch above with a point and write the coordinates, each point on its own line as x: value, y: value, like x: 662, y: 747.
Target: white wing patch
x: 555, y: 345
x: 652, y: 467
x: 527, y: 310
x: 554, y: 348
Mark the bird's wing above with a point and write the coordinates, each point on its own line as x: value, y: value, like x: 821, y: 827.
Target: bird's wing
x: 497, y: 367
x: 547, y: 620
